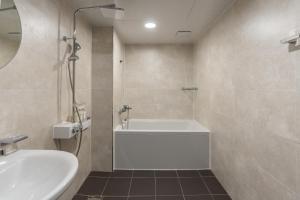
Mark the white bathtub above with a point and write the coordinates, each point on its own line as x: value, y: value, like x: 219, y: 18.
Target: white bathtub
x: 161, y: 144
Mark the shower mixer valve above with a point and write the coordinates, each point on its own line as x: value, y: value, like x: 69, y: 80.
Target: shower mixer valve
x: 125, y: 122
x: 124, y: 108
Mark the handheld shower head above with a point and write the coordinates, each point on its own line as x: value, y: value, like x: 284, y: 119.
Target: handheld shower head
x: 73, y: 56
x: 77, y: 46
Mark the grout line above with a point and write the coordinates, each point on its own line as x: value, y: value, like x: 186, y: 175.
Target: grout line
x: 130, y: 185
x: 155, y: 185
x: 101, y: 195
x: 203, y: 180
x: 178, y: 179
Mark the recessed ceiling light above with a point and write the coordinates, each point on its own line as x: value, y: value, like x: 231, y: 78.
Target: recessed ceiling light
x: 150, y: 25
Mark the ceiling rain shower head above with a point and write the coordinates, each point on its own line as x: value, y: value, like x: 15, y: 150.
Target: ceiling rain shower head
x: 108, y: 11
x: 111, y: 11
x: 112, y: 6
x: 113, y: 14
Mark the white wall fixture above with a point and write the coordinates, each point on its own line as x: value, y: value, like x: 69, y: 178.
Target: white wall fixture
x: 67, y: 130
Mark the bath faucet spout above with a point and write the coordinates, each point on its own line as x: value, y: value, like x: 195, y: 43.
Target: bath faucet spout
x: 125, y: 121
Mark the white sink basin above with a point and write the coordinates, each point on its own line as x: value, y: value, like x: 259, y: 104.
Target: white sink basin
x: 36, y: 174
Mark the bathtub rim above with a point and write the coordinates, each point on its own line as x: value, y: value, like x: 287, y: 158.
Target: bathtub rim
x: 201, y: 130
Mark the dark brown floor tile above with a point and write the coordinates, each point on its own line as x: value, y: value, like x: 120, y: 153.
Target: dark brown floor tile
x: 142, y: 187
x: 80, y: 197
x: 114, y: 198
x: 117, y: 187
x: 143, y: 173
x: 193, y: 186
x: 214, y: 185
x: 92, y: 186
x: 162, y: 174
x: 100, y: 174
x: 198, y: 197
x: 122, y: 174
x: 168, y: 186
x: 169, y: 198
x: 188, y: 174
x: 206, y: 173
x: 221, y: 197
x: 141, y: 198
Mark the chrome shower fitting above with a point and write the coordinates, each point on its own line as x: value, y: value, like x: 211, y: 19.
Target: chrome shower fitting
x: 124, y: 108
x: 125, y: 121
x: 73, y: 58
x: 77, y: 46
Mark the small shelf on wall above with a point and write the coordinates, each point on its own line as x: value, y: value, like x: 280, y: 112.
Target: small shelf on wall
x: 189, y: 89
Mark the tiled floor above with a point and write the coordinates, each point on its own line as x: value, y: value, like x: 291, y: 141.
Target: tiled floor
x: 152, y: 185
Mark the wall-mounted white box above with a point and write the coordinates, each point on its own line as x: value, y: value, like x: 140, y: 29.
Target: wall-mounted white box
x: 67, y: 130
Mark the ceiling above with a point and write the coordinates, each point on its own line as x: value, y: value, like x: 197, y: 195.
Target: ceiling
x: 169, y: 15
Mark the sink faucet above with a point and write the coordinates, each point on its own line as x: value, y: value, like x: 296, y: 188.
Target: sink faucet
x: 9, y: 145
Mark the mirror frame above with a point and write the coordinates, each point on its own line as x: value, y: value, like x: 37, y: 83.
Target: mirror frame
x: 20, y: 40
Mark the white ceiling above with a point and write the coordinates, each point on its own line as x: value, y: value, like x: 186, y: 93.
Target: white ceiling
x: 169, y: 15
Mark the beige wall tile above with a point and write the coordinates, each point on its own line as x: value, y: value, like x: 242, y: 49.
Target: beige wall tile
x: 102, y: 98
x: 248, y: 98
x: 118, y: 73
x: 153, y: 78
x: 34, y: 86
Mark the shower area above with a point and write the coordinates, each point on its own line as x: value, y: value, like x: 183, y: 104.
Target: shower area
x: 142, y: 89
x: 153, y: 81
x: 160, y: 133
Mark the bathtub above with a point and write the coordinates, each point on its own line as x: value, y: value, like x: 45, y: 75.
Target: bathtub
x: 162, y: 145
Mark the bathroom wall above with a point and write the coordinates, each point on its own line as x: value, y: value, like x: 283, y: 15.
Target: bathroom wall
x: 153, y: 78
x: 102, y: 98
x: 249, y: 97
x: 118, y: 72
x: 34, y: 85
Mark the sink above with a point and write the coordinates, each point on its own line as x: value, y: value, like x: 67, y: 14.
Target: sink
x: 36, y: 174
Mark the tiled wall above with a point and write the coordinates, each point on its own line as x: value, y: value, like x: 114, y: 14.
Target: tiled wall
x: 118, y: 73
x: 249, y: 97
x: 34, y: 90
x: 153, y: 78
x: 102, y: 98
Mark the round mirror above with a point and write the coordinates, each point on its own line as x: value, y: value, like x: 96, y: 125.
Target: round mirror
x: 10, y: 31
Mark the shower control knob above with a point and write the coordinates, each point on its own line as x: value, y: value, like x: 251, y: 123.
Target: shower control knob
x: 124, y: 108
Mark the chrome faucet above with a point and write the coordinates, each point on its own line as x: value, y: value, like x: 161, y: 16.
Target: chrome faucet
x: 9, y: 145
x: 125, y: 108
x: 125, y: 122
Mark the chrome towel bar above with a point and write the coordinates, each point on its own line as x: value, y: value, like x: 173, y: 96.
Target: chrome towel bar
x: 189, y: 88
